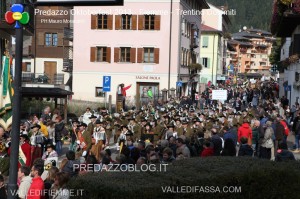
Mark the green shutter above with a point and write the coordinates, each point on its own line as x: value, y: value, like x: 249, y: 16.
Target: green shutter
x: 205, y: 41
x: 208, y: 62
x: 201, y: 61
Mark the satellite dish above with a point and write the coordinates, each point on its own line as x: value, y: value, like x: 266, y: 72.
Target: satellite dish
x: 244, y: 28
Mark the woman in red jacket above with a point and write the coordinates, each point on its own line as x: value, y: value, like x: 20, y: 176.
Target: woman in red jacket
x: 245, y: 131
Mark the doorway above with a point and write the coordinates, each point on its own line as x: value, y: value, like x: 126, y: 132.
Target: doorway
x: 50, y: 70
x: 142, y: 93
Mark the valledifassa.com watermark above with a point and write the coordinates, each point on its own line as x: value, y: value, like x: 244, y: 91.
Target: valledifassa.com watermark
x: 201, y: 189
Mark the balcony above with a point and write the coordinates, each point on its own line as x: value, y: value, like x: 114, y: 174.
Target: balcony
x: 68, y: 65
x: 68, y: 34
x: 42, y: 79
x: 194, y: 42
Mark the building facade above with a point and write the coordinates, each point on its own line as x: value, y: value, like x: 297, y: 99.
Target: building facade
x: 215, y: 22
x: 252, y: 49
x: 138, y: 44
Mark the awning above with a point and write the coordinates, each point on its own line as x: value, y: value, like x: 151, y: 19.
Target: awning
x: 45, y: 92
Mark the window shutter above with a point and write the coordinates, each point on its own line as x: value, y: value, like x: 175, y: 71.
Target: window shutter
x: 117, y: 54
x: 132, y: 55
x: 201, y: 62
x: 60, y: 39
x: 24, y: 67
x: 93, y: 54
x: 141, y: 22
x: 208, y: 62
x: 205, y: 41
x: 108, y: 54
x: 41, y: 38
x: 156, y: 55
x: 118, y: 22
x: 157, y: 22
x: 94, y: 21
x: 109, y: 22
x: 140, y: 55
x: 134, y: 21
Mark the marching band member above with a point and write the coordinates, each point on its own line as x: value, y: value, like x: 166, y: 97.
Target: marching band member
x: 84, y: 140
x: 99, y: 137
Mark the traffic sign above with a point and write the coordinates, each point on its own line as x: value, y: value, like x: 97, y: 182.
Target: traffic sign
x: 106, y: 83
x: 179, y: 84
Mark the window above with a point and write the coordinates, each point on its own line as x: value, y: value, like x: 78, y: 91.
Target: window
x: 149, y: 22
x: 205, y: 62
x: 205, y: 42
x: 102, y: 22
x: 26, y: 67
x: 126, y: 22
x: 99, y: 92
x: 101, y: 54
x: 125, y: 55
x: 51, y: 39
x: 149, y: 55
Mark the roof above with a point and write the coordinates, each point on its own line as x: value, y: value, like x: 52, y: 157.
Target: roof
x: 205, y: 28
x: 247, y: 34
x: 45, y: 92
x: 240, y: 38
x: 260, y: 31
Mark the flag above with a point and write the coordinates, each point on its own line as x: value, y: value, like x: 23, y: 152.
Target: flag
x: 7, y: 93
x: 22, y: 157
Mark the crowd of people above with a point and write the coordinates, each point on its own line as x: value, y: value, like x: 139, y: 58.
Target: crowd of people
x: 253, y: 121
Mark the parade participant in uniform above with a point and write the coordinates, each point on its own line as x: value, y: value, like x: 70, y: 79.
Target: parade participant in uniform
x: 84, y: 140
x: 91, y: 125
x: 73, y: 135
x: 50, y: 152
x: 36, y: 143
x: 99, y: 135
x: 25, y: 150
x: 148, y: 134
x: 108, y: 125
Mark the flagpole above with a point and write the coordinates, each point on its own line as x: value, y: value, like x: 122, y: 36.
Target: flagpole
x: 12, y: 186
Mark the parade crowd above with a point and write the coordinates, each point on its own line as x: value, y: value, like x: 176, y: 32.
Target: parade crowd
x: 253, y: 121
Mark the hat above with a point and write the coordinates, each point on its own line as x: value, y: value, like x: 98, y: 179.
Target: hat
x: 75, y: 121
x: 129, y: 133
x: 92, y: 116
x: 36, y: 126
x: 124, y: 126
x: 24, y: 136
x: 171, y: 125
x: 82, y: 124
x: 99, y: 122
x: 50, y: 146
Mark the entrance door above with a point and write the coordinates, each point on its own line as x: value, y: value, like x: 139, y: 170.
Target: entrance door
x: 142, y: 93
x: 50, y: 70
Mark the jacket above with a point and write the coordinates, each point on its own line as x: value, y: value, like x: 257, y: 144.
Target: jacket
x: 279, y: 132
x: 59, y: 127
x: 24, y: 186
x: 245, y: 150
x: 245, y: 131
x: 207, y: 152
x: 36, y: 189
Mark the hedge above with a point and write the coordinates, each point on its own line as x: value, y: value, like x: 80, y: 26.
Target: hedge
x: 257, y: 179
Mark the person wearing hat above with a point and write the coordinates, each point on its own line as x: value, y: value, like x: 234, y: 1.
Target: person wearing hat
x: 148, y: 134
x: 135, y: 129
x: 73, y: 135
x: 91, y: 125
x: 122, y: 138
x: 84, y: 140
x: 99, y: 137
x: 36, y: 142
x: 86, y: 116
x: 24, y: 151
x: 50, y: 152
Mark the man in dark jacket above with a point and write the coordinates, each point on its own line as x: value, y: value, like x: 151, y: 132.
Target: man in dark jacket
x: 279, y: 132
x: 283, y: 154
x: 217, y: 142
x: 245, y: 149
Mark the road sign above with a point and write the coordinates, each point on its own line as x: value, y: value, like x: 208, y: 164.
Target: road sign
x: 79, y: 2
x: 179, y: 84
x: 106, y: 83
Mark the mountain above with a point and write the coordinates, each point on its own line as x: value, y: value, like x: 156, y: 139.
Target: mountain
x: 249, y: 13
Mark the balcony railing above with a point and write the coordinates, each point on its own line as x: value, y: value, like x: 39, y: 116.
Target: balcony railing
x: 42, y: 78
x: 68, y: 33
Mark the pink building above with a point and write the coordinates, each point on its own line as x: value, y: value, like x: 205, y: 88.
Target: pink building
x: 137, y: 44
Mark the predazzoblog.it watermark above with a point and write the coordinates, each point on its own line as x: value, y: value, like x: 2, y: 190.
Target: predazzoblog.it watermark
x: 201, y: 189
x: 120, y: 167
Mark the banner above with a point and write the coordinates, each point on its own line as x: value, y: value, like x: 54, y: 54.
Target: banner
x: 7, y: 93
x: 219, y: 94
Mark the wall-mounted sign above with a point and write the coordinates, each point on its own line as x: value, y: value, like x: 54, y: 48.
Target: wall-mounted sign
x: 80, y: 2
x: 147, y: 77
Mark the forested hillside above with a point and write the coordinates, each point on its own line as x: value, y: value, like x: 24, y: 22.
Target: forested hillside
x: 249, y: 13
